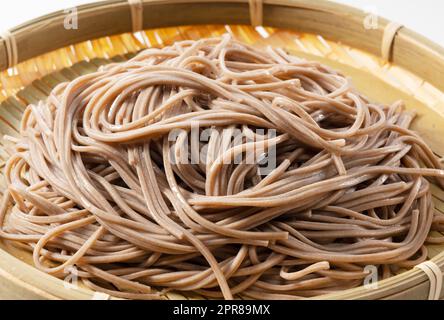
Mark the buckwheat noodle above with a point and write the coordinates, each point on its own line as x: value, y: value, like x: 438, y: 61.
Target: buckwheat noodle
x: 102, y: 179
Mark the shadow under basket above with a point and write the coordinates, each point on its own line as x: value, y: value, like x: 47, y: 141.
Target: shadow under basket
x: 333, y: 34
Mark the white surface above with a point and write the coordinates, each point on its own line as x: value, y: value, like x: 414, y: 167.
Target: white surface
x: 423, y: 16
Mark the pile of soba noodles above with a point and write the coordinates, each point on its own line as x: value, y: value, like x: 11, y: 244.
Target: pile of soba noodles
x: 213, y: 167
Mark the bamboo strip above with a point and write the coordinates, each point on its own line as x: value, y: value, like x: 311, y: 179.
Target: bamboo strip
x: 334, y: 21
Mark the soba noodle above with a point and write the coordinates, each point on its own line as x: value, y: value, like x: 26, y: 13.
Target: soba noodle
x: 129, y: 176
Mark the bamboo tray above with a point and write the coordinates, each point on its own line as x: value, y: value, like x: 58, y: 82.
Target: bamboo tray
x: 319, y: 30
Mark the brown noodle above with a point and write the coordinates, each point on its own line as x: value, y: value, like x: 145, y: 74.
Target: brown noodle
x: 95, y: 183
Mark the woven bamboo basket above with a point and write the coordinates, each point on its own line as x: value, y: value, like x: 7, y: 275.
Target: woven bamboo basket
x: 47, y: 54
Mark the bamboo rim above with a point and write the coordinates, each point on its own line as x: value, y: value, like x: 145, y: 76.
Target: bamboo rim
x: 406, y: 46
x: 337, y: 22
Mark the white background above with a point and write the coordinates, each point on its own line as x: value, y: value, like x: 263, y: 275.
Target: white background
x: 423, y: 16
